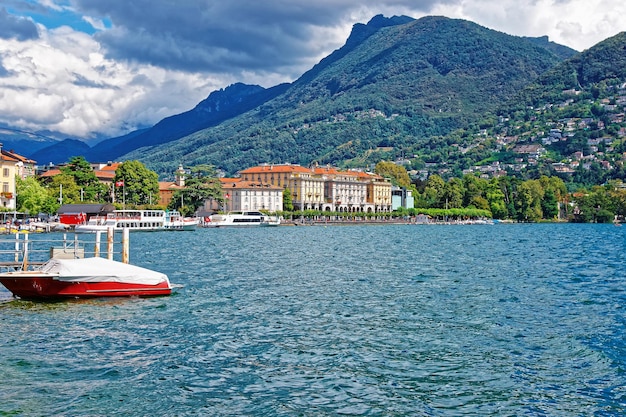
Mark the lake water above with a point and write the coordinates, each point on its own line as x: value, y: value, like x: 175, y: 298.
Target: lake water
x: 363, y: 320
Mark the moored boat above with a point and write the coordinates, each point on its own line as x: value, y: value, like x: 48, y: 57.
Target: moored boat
x: 85, y: 278
x: 241, y: 219
x: 138, y: 220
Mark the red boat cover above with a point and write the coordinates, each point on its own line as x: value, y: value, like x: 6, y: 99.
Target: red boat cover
x: 101, y: 270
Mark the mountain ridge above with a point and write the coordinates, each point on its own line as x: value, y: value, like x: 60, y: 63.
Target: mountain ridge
x: 396, y: 80
x: 377, y: 75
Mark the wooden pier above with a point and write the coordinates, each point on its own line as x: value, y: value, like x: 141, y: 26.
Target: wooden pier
x: 22, y: 253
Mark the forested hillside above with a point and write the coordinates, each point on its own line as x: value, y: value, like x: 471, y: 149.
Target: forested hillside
x: 395, y: 84
x: 568, y: 123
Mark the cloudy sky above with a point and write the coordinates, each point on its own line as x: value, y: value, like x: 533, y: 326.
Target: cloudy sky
x: 105, y: 67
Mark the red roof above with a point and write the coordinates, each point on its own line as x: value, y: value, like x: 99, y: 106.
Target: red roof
x: 12, y: 156
x: 111, y: 167
x: 51, y: 173
x: 281, y: 168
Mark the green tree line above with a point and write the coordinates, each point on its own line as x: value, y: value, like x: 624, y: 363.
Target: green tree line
x: 532, y: 200
x: 77, y: 183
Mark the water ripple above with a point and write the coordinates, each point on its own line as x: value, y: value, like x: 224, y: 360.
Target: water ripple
x: 389, y: 320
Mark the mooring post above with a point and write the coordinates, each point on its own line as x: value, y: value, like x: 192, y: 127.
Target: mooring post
x: 25, y: 258
x: 125, y: 245
x: 17, y: 247
x: 96, y: 249
x: 110, y: 233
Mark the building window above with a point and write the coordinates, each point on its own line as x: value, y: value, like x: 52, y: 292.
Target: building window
x: 5, y: 187
x: 5, y: 172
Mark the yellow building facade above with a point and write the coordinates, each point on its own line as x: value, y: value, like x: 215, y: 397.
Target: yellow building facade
x: 12, y: 166
x: 326, y: 188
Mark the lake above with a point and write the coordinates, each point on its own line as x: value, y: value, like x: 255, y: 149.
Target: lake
x: 394, y: 320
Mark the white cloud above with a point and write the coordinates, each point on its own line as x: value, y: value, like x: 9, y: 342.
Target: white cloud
x: 63, y: 82
x: 95, y: 23
x: 578, y: 24
x: 148, y: 63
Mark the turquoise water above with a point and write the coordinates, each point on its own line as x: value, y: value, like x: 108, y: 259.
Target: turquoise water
x: 363, y: 320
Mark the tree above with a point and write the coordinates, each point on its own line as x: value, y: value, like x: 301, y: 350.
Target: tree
x: 32, y: 197
x: 91, y: 189
x: 474, y: 188
x: 137, y: 184
x: 453, y: 194
x: 200, y: 185
x: 62, y: 189
x: 528, y: 201
x: 495, y: 199
x: 397, y: 173
x: 287, y: 200
x: 549, y: 205
x: 618, y: 195
x: 434, y: 191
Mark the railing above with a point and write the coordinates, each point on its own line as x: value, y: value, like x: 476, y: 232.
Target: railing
x: 23, y: 253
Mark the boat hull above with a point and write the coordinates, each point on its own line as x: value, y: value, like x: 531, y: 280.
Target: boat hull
x: 46, y: 287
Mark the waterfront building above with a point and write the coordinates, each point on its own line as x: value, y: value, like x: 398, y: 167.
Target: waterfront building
x: 168, y: 188
x: 252, y: 196
x: 401, y: 198
x: 12, y: 165
x: 307, y: 190
x: 325, y: 188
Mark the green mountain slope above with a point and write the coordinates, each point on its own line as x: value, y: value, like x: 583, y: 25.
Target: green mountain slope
x: 582, y: 102
x: 395, y: 83
x: 569, y: 122
x: 593, y: 67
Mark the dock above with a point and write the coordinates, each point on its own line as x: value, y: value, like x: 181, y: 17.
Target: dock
x: 23, y: 252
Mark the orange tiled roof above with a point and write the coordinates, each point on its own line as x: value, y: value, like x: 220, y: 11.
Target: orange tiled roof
x: 51, y: 173
x: 169, y: 185
x: 6, y: 157
x: 111, y: 167
x: 280, y: 168
x: 100, y: 174
x: 327, y: 171
x: 368, y: 175
x: 105, y: 175
x: 12, y: 156
x: 225, y: 181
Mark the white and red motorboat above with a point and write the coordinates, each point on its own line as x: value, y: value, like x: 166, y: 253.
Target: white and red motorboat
x: 85, y: 278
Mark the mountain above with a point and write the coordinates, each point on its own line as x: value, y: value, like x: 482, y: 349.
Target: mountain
x: 23, y: 142
x: 394, y: 83
x: 59, y: 152
x: 561, y: 51
x: 593, y: 67
x: 569, y: 123
x: 221, y: 105
x: 575, y: 112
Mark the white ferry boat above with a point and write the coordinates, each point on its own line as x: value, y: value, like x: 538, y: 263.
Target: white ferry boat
x: 138, y: 220
x: 241, y: 219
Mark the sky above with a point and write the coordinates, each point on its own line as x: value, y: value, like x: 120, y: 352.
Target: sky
x: 90, y: 69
